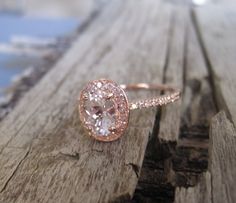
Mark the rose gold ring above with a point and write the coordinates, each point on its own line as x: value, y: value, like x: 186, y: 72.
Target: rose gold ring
x: 104, y: 107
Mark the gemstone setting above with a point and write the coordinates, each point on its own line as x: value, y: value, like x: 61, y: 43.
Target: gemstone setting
x: 104, y: 109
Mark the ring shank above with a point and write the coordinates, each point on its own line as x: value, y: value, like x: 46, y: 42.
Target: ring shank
x: 172, y: 96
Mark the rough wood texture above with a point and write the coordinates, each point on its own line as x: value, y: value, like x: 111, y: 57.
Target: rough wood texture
x: 216, y: 26
x: 216, y: 35
x: 197, y: 109
x: 153, y: 181
x: 180, y: 161
x: 45, y: 155
x: 217, y: 185
x: 201, y: 193
x: 168, y: 131
x: 222, y: 159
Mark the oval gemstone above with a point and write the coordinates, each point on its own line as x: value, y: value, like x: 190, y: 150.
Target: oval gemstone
x: 104, y: 109
x: 100, y: 114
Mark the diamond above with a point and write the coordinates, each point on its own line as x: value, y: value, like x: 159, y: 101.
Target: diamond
x: 100, y: 109
x: 100, y: 114
x: 99, y: 84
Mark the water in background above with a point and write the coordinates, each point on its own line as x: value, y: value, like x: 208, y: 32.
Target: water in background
x: 24, y: 42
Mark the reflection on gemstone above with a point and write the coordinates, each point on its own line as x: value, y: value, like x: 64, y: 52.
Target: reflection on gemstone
x: 100, y: 113
x: 104, y: 110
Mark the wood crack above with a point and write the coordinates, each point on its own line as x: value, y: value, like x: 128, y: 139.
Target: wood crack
x: 185, y: 48
x: 207, y: 61
x: 169, y: 42
x: 14, y: 172
x: 135, y: 168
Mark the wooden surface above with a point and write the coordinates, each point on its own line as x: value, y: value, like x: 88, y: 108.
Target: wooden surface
x: 217, y: 185
x: 215, y: 27
x: 217, y: 32
x: 222, y: 159
x: 183, y: 152
x: 168, y: 131
x: 46, y: 144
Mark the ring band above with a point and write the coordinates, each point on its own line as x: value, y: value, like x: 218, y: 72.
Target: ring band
x: 104, y: 107
x: 157, y: 101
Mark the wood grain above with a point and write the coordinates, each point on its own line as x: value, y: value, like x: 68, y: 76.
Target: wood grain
x: 216, y: 26
x: 222, y: 159
x: 201, y: 193
x: 215, y: 34
x: 169, y: 130
x: 217, y: 184
x: 156, y: 175
x: 180, y: 161
x: 45, y: 155
x: 197, y: 109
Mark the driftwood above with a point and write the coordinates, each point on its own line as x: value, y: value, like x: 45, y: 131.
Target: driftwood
x: 168, y: 154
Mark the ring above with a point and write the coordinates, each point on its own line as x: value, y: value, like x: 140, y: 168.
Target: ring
x: 104, y: 107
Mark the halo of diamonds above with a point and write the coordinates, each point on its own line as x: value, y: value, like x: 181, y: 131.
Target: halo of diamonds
x: 104, y: 109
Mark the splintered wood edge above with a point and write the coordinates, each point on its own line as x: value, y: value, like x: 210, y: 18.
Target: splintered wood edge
x: 201, y: 193
x: 218, y: 183
x: 222, y: 162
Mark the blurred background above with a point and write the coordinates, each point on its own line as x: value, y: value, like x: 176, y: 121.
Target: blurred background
x: 35, y: 33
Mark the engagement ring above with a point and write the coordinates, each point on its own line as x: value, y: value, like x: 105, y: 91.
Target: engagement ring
x: 104, y: 107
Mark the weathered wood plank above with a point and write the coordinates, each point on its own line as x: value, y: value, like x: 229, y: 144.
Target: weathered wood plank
x: 198, y: 105
x: 217, y: 185
x: 197, y: 109
x: 222, y: 159
x: 167, y: 168
x: 216, y: 26
x: 157, y: 176
x: 201, y: 193
x: 169, y: 130
x: 45, y: 156
x: 216, y: 37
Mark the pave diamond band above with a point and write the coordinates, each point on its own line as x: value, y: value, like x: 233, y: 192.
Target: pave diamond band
x: 157, y: 101
x: 104, y: 107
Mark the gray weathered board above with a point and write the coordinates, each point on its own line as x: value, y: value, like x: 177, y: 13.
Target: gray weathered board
x: 216, y: 29
x: 45, y: 155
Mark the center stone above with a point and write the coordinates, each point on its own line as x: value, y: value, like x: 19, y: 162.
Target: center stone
x: 104, y: 110
x: 100, y: 113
